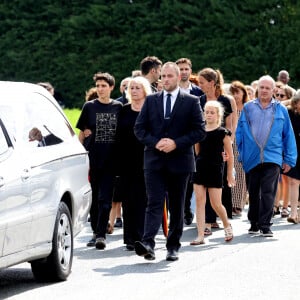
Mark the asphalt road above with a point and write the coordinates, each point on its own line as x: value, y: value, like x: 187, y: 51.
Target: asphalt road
x: 249, y: 267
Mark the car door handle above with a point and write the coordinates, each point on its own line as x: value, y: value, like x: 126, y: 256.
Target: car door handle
x: 1, y: 181
x: 25, y: 174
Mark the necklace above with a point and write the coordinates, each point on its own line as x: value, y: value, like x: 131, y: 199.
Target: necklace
x: 137, y: 106
x: 211, y: 128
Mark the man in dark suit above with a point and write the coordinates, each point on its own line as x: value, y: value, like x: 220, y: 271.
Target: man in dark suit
x: 185, y: 67
x: 150, y: 68
x: 123, y: 88
x: 169, y: 124
x: 48, y: 140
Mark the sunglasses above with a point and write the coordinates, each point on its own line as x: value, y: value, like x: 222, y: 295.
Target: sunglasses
x: 280, y: 95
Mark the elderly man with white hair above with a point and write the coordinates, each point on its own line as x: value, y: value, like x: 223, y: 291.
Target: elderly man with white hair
x: 266, y: 146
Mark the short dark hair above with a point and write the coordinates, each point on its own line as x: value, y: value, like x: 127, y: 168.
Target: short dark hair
x: 184, y: 60
x: 149, y: 63
x: 106, y: 77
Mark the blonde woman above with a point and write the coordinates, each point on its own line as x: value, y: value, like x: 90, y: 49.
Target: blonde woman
x: 130, y: 163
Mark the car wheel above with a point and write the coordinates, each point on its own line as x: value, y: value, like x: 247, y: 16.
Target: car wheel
x: 57, y: 266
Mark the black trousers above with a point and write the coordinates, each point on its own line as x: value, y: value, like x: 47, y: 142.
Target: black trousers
x: 102, y: 184
x: 262, y: 182
x: 188, y: 196
x: 158, y: 183
x: 134, y: 201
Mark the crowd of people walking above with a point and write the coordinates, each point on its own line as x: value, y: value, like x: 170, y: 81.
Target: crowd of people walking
x: 174, y: 134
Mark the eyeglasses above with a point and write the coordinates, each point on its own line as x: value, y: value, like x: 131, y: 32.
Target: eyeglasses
x: 280, y: 95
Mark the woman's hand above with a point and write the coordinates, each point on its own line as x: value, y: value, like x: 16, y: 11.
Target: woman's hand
x: 87, y: 132
x: 231, y: 180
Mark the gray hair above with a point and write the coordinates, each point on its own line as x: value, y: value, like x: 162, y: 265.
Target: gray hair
x: 295, y: 99
x: 268, y: 78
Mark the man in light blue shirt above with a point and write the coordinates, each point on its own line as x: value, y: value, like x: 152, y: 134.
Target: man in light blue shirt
x: 266, y: 144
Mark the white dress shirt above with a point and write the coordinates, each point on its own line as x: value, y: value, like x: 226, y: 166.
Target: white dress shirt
x: 174, y: 95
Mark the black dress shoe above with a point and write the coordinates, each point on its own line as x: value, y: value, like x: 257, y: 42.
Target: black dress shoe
x: 144, y: 250
x: 172, y: 255
x: 130, y: 247
x: 188, y: 218
x: 118, y: 223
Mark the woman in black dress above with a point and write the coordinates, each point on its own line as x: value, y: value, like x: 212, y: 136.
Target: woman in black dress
x: 211, y: 82
x: 130, y: 163
x: 209, y: 169
x: 294, y: 173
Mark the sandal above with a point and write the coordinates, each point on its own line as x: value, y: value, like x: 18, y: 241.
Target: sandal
x: 236, y: 212
x: 207, y: 231
x: 197, y: 242
x: 109, y: 229
x: 215, y: 225
x: 284, y: 213
x: 293, y: 220
x: 276, y: 210
x: 228, y: 233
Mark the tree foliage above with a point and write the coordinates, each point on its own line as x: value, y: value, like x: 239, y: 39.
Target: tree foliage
x: 67, y: 41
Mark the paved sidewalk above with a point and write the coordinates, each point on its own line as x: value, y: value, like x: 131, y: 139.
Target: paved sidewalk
x: 249, y: 267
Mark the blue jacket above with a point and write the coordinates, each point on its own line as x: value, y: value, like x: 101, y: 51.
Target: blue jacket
x: 280, y: 146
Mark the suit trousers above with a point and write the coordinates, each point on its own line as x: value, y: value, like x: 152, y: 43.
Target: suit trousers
x: 158, y: 184
x: 188, y: 196
x: 262, y: 182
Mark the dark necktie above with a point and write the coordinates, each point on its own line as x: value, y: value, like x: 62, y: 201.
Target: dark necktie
x: 168, y: 107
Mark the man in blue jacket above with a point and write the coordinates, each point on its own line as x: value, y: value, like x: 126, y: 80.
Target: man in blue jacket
x: 266, y: 144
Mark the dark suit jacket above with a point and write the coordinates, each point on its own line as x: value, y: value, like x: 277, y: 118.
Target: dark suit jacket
x: 123, y: 99
x: 196, y: 91
x: 52, y: 139
x: 185, y: 127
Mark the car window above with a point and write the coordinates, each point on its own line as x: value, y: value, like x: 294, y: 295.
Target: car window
x: 3, y: 141
x: 7, y: 116
x: 44, y: 125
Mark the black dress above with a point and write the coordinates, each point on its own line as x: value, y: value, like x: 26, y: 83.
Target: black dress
x: 130, y: 168
x: 210, y: 214
x: 209, y: 162
x: 295, y: 120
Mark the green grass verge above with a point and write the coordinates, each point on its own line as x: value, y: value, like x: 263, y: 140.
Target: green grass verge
x: 73, y: 115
